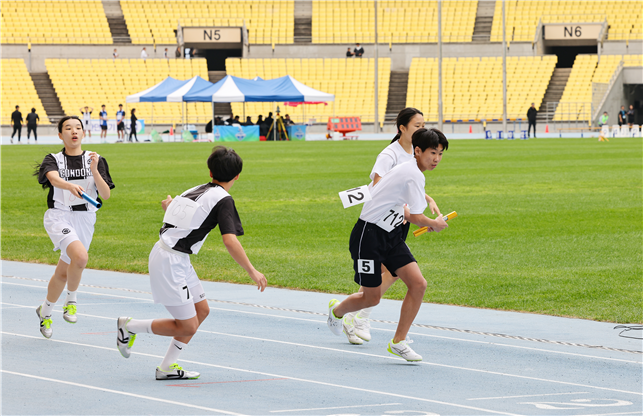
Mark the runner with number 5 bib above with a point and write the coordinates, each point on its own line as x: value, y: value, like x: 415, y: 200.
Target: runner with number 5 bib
x: 188, y: 220
x: 378, y: 239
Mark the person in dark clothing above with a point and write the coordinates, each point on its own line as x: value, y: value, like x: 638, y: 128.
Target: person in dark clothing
x: 248, y: 122
x: 208, y: 127
x: 269, y: 120
x: 218, y: 121
x: 16, y: 122
x: 132, y: 127
x: 288, y: 121
x: 230, y: 120
x: 349, y: 54
x: 531, y: 117
x: 359, y: 51
x: 260, y: 120
x: 631, y: 115
x: 622, y: 115
x: 32, y: 124
x: 177, y: 54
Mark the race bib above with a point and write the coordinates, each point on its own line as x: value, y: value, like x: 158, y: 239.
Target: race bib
x: 69, y: 199
x: 180, y: 212
x: 393, y: 218
x: 355, y: 196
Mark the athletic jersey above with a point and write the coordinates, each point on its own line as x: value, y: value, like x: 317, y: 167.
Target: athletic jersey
x: 120, y: 114
x: 87, y: 116
x: 103, y: 120
x: 393, y: 155
x: 74, y: 169
x: 217, y: 208
x: 404, y: 184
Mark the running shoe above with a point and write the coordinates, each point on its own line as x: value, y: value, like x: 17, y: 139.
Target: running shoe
x: 176, y: 373
x: 69, y: 312
x: 124, y: 338
x: 362, y: 327
x: 45, y: 324
x: 334, y: 323
x: 402, y: 349
x: 349, y: 329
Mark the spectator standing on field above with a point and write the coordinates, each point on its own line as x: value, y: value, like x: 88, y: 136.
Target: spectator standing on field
x: 631, y: 114
x: 132, y: 128
x: 531, y: 117
x: 32, y: 124
x: 604, y: 118
x: 120, y: 123
x: 359, y: 51
x: 103, y: 122
x: 288, y: 121
x: 144, y: 54
x: 349, y: 54
x: 16, y: 122
x: 622, y: 115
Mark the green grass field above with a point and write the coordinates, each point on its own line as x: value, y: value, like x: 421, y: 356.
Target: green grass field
x: 547, y: 226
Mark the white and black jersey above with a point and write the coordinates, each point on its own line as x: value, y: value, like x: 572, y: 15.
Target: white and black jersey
x: 216, y: 208
x: 393, y: 155
x: 74, y: 169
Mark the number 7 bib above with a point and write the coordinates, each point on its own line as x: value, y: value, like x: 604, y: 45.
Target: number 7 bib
x: 392, y: 218
x: 180, y: 212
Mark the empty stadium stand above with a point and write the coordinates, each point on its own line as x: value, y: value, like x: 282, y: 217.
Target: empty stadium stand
x: 18, y: 89
x: 267, y: 21
x: 351, y: 80
x: 60, y: 21
x: 472, y: 87
x: 399, y: 21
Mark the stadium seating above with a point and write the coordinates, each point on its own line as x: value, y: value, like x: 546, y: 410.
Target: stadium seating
x: 351, y: 80
x: 92, y: 82
x: 522, y: 17
x: 399, y: 21
x: 472, y: 87
x: 18, y: 89
x: 60, y: 21
x: 268, y: 22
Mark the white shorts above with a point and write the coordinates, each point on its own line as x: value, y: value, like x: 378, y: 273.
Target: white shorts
x: 174, y: 281
x: 87, y: 125
x: 65, y: 227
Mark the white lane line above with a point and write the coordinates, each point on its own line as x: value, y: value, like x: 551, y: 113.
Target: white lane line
x: 337, y: 407
x: 612, y: 414
x: 138, y: 396
x: 399, y: 359
x: 379, y: 329
x: 530, y: 395
x: 344, y: 387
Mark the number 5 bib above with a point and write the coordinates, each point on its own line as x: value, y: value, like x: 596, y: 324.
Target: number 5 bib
x: 180, y: 212
x: 392, y: 218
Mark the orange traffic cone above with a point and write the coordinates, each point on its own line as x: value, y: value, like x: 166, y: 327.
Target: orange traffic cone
x: 547, y: 128
x: 470, y: 129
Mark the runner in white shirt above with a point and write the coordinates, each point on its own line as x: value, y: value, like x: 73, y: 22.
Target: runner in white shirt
x: 399, y: 151
x: 378, y: 239
x: 87, y: 119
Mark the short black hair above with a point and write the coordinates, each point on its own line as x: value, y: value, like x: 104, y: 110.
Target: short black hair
x: 62, y: 121
x: 224, y: 164
x: 17, y: 106
x: 429, y: 138
x: 120, y: 105
x: 33, y: 110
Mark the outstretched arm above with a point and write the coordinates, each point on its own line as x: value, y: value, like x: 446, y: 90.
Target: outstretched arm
x: 239, y: 255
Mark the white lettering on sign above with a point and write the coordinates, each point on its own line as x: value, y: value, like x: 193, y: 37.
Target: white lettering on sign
x: 180, y: 212
x: 355, y: 196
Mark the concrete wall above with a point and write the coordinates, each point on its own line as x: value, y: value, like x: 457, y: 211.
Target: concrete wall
x: 621, y: 93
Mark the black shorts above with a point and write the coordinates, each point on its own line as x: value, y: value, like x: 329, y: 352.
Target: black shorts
x: 120, y: 126
x: 103, y: 127
x: 371, y: 246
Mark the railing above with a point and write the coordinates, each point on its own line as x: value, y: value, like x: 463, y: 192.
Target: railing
x: 599, y: 94
x: 574, y: 114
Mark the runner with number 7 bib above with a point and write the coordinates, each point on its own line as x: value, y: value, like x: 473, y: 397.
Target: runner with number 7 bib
x: 378, y: 239
x: 188, y: 220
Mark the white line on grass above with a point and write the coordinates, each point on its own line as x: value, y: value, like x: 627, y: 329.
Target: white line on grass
x: 530, y: 395
x: 138, y: 396
x: 344, y: 387
x: 337, y: 407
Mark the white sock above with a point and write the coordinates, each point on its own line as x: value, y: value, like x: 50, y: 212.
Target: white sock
x: 71, y: 296
x: 138, y: 326
x: 366, y: 313
x: 175, y: 349
x: 47, y: 308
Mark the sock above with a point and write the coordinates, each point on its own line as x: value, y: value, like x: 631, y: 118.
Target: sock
x: 175, y: 349
x: 71, y: 296
x: 365, y: 313
x: 47, y: 308
x: 138, y: 326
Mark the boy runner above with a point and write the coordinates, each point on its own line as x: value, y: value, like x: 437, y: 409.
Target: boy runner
x: 378, y: 238
x: 173, y: 279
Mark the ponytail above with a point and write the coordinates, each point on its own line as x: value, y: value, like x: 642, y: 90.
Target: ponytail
x: 396, y: 138
x: 403, y: 119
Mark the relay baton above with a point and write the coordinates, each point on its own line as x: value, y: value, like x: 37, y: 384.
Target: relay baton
x: 95, y: 202
x: 423, y: 230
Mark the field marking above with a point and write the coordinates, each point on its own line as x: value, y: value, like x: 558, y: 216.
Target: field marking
x: 337, y: 407
x: 221, y: 382
x: 530, y: 395
x: 612, y: 414
x: 379, y: 329
x: 242, y: 370
x: 138, y: 396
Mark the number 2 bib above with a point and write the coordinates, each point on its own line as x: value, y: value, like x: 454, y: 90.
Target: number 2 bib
x: 393, y: 218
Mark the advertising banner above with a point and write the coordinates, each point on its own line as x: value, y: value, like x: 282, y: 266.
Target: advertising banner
x: 111, y: 126
x: 296, y: 132
x: 235, y: 134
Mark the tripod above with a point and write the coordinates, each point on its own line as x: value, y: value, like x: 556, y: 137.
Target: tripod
x: 280, y: 129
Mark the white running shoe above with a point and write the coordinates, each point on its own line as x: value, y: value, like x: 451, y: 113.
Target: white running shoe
x: 124, y: 338
x: 334, y: 323
x: 349, y: 329
x: 175, y: 373
x: 69, y: 312
x: 402, y: 349
x: 362, y: 327
x: 45, y: 324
